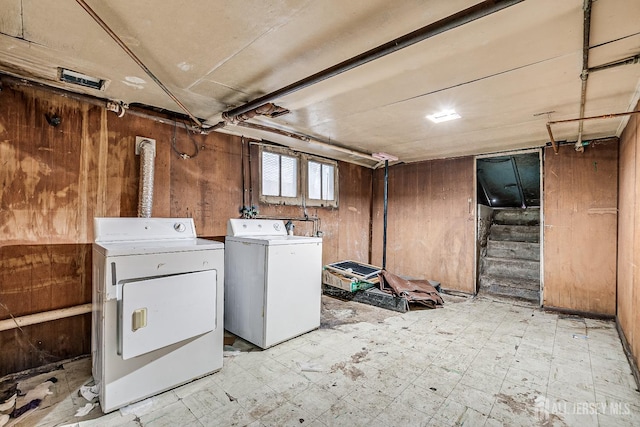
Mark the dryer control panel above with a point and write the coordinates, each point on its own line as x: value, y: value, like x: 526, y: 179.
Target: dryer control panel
x: 143, y: 229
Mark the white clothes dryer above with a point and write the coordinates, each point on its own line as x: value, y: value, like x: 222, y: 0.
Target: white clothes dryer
x: 157, y: 307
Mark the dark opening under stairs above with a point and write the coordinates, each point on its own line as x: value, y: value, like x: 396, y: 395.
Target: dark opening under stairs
x: 510, y: 263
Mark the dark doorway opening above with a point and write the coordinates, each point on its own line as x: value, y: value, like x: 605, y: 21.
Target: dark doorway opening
x: 508, y: 245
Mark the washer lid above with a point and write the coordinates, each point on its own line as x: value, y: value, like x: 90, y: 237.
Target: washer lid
x: 275, y: 240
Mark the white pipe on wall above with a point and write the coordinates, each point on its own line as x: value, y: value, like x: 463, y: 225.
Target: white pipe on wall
x: 47, y: 316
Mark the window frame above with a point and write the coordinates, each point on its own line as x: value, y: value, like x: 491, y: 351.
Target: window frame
x: 302, y: 190
x: 333, y: 203
x: 281, y: 200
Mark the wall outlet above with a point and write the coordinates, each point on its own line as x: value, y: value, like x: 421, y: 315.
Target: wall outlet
x: 139, y: 140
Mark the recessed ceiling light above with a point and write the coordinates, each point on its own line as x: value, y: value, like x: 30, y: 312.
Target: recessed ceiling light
x: 80, y: 79
x: 443, y: 116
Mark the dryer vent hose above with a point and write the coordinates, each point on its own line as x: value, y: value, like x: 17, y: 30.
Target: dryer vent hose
x: 145, y: 191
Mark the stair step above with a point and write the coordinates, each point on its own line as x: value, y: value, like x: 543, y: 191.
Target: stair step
x: 510, y: 282
x: 510, y: 287
x: 529, y: 216
x: 509, y: 267
x: 515, y: 233
x: 514, y: 250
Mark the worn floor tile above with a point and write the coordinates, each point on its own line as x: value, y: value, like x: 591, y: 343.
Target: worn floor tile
x: 517, y: 404
x: 261, y: 401
x: 240, y: 384
x: 114, y: 419
x: 286, y: 415
x: 342, y: 413
x: 174, y: 414
x: 150, y: 404
x: 289, y: 385
x: 438, y: 379
x: 470, y: 397
x: 369, y: 399
x: 205, y: 401
x: 452, y: 413
x: 398, y: 414
x: 475, y: 362
x: 315, y: 400
x: 231, y: 415
x: 423, y: 400
x: 480, y: 380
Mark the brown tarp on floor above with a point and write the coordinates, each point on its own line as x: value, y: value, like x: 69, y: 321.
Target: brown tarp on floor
x: 416, y: 291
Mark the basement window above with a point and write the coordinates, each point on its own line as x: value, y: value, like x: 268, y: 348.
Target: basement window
x: 322, y: 181
x: 279, y: 178
x: 291, y: 178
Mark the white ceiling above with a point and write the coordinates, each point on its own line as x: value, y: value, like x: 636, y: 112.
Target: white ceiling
x: 498, y: 72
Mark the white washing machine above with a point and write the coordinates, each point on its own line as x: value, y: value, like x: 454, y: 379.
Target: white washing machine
x: 273, y: 282
x: 157, y: 307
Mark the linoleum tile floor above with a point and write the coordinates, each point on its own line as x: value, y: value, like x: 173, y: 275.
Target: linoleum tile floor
x: 476, y: 362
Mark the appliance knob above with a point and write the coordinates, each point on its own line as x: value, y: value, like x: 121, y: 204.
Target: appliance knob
x: 179, y: 227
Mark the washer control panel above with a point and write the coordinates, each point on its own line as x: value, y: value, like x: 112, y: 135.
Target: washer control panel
x: 255, y: 227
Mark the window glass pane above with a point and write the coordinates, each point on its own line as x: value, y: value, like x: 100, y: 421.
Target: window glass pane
x: 289, y: 176
x: 327, y: 182
x: 314, y: 180
x: 270, y: 174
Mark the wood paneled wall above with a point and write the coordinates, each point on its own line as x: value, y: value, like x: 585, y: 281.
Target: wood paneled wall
x: 431, y: 221
x: 55, y: 180
x: 629, y: 236
x: 580, y: 221
x: 37, y: 278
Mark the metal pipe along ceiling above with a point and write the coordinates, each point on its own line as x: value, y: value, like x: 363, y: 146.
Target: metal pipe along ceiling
x: 465, y: 16
x: 554, y: 144
x: 306, y: 139
x: 137, y: 60
x: 585, y: 70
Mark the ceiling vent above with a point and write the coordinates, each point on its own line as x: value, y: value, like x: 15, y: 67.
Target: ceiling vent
x: 80, y: 79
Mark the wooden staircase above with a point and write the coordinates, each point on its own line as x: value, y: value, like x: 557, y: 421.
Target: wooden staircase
x: 510, y: 264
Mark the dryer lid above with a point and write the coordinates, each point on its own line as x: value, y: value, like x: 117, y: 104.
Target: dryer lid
x: 111, y: 230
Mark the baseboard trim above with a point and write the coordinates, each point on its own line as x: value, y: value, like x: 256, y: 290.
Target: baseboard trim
x: 586, y: 314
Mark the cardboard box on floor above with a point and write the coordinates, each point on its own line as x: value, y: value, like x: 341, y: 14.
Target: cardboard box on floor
x: 350, y: 284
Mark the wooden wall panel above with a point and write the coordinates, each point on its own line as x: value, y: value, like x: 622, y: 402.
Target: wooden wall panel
x: 580, y: 228
x: 431, y: 214
x: 208, y: 187
x: 44, y: 343
x: 55, y: 180
x: 628, y: 297
x: 41, y: 169
x: 354, y: 215
x: 36, y: 278
x: 634, y: 288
